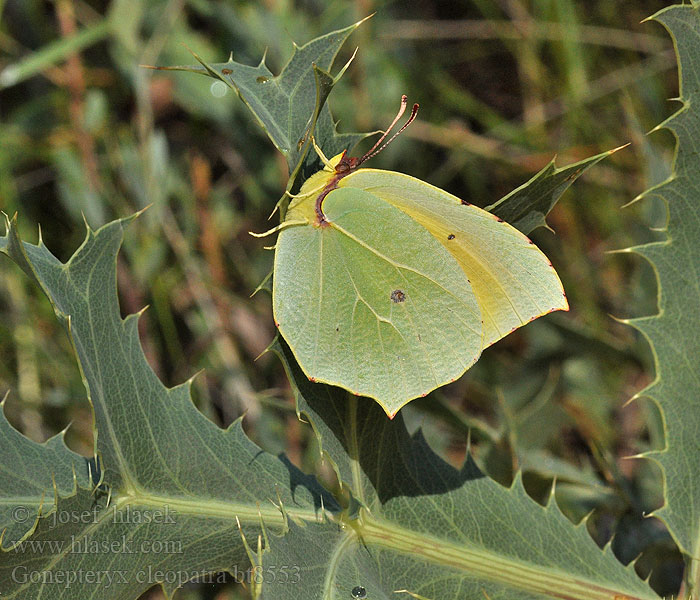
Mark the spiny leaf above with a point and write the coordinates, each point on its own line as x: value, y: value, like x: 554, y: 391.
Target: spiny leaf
x: 428, y: 528
x: 526, y: 207
x: 31, y: 477
x: 284, y: 104
x: 158, y: 453
x: 674, y: 333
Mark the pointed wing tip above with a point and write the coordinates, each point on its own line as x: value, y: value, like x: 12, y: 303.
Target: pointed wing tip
x: 565, y: 307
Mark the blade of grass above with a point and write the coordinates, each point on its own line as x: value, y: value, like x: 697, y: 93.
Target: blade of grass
x: 53, y: 53
x: 486, y: 29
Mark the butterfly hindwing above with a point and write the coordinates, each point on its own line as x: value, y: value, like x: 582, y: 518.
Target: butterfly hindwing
x: 373, y: 302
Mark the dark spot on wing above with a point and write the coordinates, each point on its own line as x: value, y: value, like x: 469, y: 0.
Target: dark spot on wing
x: 451, y: 236
x: 397, y: 296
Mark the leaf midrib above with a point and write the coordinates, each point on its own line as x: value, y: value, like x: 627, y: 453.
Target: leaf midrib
x: 476, y: 561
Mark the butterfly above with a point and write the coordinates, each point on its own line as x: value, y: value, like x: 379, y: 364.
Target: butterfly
x: 390, y: 287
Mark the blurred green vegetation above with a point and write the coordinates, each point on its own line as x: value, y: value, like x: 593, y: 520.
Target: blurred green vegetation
x: 504, y: 85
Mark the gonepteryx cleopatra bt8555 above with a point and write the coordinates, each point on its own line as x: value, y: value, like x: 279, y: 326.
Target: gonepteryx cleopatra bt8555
x: 390, y: 287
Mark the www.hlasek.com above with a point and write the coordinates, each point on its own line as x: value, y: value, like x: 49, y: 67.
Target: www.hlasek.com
x: 78, y: 545
x: 150, y: 576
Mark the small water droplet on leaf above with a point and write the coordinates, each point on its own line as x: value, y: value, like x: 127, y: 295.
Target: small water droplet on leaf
x: 358, y: 592
x: 218, y: 89
x: 262, y: 79
x: 451, y: 236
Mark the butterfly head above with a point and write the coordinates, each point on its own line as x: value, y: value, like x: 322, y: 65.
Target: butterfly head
x: 331, y: 175
x: 347, y: 164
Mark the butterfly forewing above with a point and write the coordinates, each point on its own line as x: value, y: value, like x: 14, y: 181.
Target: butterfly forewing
x: 514, y: 282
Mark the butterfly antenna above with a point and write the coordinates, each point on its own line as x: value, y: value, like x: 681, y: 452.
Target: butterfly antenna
x: 373, y: 151
x: 402, y: 109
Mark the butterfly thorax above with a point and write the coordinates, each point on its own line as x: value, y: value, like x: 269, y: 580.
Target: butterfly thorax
x: 309, y: 202
x: 319, y: 185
